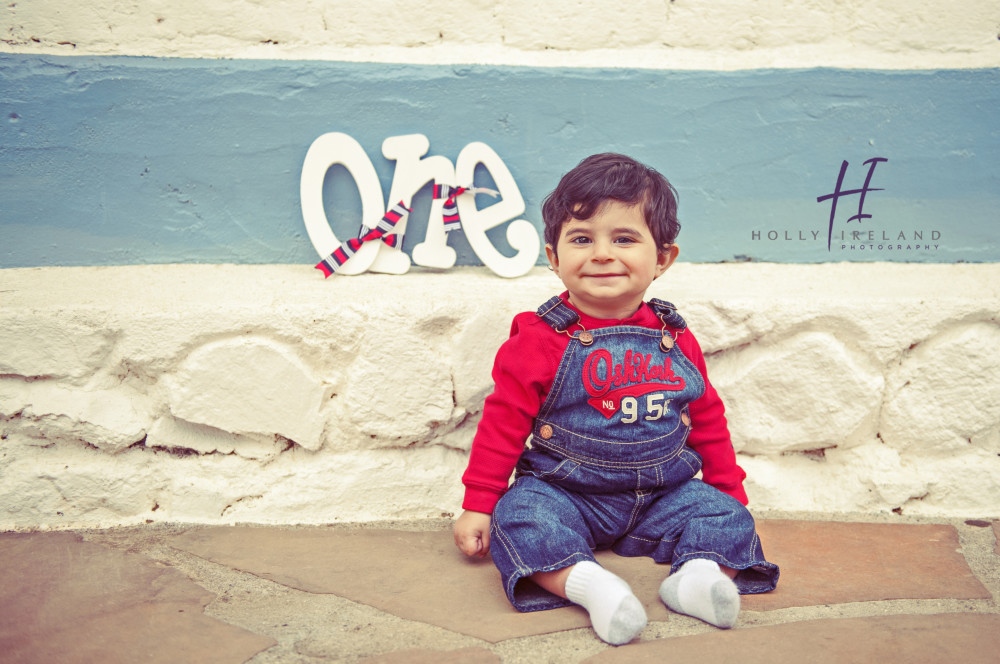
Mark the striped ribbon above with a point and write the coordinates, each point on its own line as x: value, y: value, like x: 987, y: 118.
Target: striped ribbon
x: 399, y: 212
x: 382, y: 231
x: 452, y: 221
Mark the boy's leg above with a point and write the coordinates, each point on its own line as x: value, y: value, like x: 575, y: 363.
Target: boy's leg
x: 554, y: 581
x: 708, y: 537
x: 539, y: 533
x: 615, y: 612
x: 702, y: 590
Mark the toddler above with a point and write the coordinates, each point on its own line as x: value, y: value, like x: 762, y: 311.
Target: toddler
x: 612, y: 392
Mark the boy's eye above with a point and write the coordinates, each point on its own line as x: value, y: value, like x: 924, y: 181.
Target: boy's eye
x: 625, y: 239
x: 579, y: 239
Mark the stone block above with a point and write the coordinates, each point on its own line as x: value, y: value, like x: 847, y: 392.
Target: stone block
x: 945, y: 392
x: 472, y: 357
x: 959, y: 484
x: 399, y: 391
x: 535, y: 25
x: 868, y: 478
x: 38, y: 344
x: 411, y: 24
x: 110, y: 420
x: 52, y: 484
x: 803, y: 393
x: 249, y: 385
x: 177, y: 435
x: 328, y: 487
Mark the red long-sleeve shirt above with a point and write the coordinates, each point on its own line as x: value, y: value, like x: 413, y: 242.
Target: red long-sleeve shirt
x: 523, y: 372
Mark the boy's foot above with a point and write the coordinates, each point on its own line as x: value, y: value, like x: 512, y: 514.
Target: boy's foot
x: 615, y: 613
x: 700, y: 589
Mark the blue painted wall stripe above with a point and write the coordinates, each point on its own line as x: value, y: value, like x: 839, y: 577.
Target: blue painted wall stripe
x: 123, y: 160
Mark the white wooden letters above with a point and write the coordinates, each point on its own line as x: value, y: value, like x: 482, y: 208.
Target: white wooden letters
x: 412, y: 172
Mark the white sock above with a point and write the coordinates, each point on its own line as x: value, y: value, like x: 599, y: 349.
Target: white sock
x: 615, y: 613
x: 700, y: 589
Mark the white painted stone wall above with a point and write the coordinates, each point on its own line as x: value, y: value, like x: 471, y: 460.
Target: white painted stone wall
x: 670, y: 34
x: 224, y: 394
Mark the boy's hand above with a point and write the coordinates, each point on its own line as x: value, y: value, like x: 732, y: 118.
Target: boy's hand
x: 472, y: 533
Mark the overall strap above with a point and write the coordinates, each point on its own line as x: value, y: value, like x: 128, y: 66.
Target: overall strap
x: 557, y: 314
x: 668, y: 314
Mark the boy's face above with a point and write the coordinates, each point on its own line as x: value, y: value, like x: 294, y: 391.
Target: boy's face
x: 608, y: 261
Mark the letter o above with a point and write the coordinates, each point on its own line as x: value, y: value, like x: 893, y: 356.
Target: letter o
x: 325, y: 151
x: 592, y: 381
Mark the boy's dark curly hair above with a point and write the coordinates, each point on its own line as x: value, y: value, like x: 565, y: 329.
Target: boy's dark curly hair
x: 609, y: 176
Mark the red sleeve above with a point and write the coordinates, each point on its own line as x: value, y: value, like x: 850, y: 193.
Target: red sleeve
x: 709, y: 435
x: 523, y: 371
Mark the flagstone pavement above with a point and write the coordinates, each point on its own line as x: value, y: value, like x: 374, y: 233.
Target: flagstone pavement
x: 855, y: 588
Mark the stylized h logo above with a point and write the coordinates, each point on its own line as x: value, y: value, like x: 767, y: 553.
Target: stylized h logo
x: 838, y: 192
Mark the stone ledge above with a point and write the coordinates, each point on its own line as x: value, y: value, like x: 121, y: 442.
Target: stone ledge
x: 220, y: 394
x: 726, y: 35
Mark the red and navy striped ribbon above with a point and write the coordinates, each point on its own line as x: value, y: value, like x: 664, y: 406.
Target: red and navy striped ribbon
x: 449, y: 212
x: 382, y: 231
x: 399, y: 212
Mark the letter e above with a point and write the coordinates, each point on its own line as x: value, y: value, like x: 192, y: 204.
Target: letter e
x: 521, y: 235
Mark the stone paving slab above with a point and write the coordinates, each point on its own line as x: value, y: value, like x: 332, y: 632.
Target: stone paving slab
x: 414, y: 575
x: 857, y: 592
x: 930, y: 639
x: 421, y: 576
x: 65, y: 600
x: 461, y: 656
x: 834, y: 563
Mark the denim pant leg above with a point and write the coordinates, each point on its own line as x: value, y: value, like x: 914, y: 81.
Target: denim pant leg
x: 695, y: 520
x: 536, y: 527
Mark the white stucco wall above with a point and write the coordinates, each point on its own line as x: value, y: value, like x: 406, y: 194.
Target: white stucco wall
x: 673, y: 34
x: 266, y: 394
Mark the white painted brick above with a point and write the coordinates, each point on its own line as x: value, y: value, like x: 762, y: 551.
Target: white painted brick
x: 178, y: 436
x: 807, y: 392
x: 250, y: 385
x: 111, y: 420
x: 58, y: 346
x: 948, y: 391
x: 684, y: 34
x: 958, y: 484
x: 580, y: 24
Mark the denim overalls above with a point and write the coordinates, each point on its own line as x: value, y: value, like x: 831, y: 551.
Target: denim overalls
x: 607, y: 466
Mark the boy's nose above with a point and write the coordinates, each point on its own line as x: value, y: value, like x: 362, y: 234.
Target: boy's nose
x: 602, y: 251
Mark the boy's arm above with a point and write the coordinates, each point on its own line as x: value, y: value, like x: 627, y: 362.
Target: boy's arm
x: 710, y: 431
x: 522, y: 373
x: 472, y: 533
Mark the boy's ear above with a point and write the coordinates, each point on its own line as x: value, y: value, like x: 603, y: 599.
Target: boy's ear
x: 666, y: 258
x: 550, y: 253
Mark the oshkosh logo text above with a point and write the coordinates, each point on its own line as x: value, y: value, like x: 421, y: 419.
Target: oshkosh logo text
x: 601, y: 374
